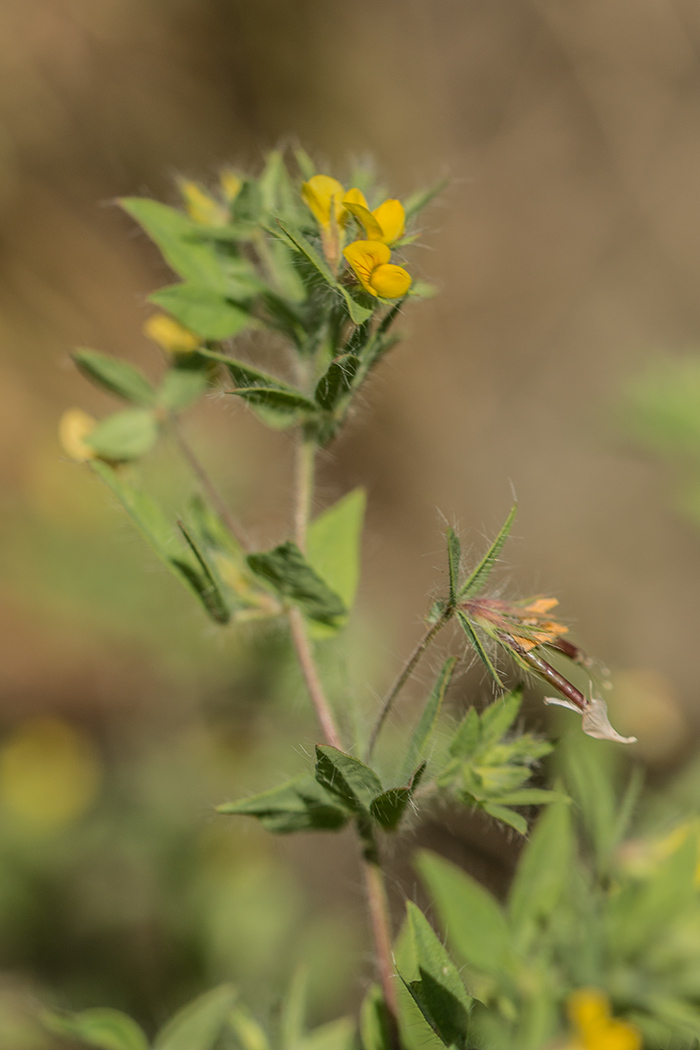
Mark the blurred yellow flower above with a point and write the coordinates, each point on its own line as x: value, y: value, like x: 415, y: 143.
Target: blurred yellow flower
x: 201, y: 206
x: 386, y: 223
x: 73, y: 427
x: 595, y: 1029
x: 49, y: 773
x: 230, y: 185
x: 370, y: 263
x: 171, y: 335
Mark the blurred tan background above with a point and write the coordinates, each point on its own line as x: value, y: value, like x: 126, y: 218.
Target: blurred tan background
x: 567, y: 253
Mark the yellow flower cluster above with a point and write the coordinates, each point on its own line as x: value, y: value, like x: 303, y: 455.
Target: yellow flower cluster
x: 589, y: 1013
x: 369, y: 258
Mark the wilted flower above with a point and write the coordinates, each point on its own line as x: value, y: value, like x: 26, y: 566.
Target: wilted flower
x: 595, y: 1029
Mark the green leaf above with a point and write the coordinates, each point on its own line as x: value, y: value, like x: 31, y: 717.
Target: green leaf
x: 478, y: 647
x: 530, y: 796
x: 157, y: 530
x: 247, y: 1031
x: 99, y: 1027
x: 473, y: 919
x: 125, y: 435
x: 438, y: 989
x: 245, y: 375
x: 359, y: 313
x: 185, y: 381
x: 476, y: 580
x: 204, y: 311
x: 115, y: 376
x: 303, y: 246
x: 278, y: 403
x: 181, y: 243
x: 293, y: 1008
x: 298, y: 805
x: 498, y: 717
x: 333, y: 549
x: 466, y: 738
x: 199, y: 1025
x: 418, y: 200
x: 335, y: 1035
x: 506, y: 816
x: 543, y: 873
x: 286, y: 569
x: 347, y: 778
x: 388, y: 808
x: 454, y: 553
x: 375, y: 1024
x: 278, y: 400
x: 205, y: 583
x: 428, y: 720
x: 306, y: 165
x: 336, y: 382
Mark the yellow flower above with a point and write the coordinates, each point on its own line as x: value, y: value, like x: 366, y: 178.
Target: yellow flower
x: 171, y: 335
x: 73, y: 427
x: 589, y: 1013
x: 50, y: 773
x: 230, y: 184
x: 386, y: 223
x: 201, y: 206
x: 324, y: 196
x: 370, y: 263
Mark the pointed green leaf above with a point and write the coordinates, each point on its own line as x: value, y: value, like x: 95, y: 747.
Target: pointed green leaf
x: 205, y: 582
x: 505, y: 816
x: 299, y: 805
x: 437, y: 988
x: 125, y: 435
x: 454, y: 553
x: 466, y: 738
x: 249, y: 1034
x: 428, y: 720
x: 471, y: 916
x: 476, y: 580
x: 199, y: 1025
x: 99, y: 1027
x: 157, y: 530
x: 336, y: 382
x: 333, y: 549
x: 117, y: 377
x: 204, y: 311
x: 335, y: 1035
x: 479, y: 649
x: 389, y: 807
x: 498, y: 717
x: 179, y: 239
x: 347, y: 778
x: 307, y: 249
x: 286, y: 569
x: 543, y: 873
x: 418, y: 200
x: 293, y: 1009
x: 306, y: 165
x: 245, y: 375
x: 359, y: 312
x: 278, y: 399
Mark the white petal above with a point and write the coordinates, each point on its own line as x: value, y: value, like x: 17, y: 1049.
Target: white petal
x: 562, y: 703
x: 597, y: 724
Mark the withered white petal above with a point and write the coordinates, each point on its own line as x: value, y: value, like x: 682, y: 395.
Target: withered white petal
x: 595, y: 719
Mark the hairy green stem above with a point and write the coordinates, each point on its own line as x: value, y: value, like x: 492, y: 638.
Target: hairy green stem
x: 403, y: 677
x: 305, y: 466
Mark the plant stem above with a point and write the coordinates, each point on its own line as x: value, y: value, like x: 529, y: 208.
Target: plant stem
x: 208, y: 485
x: 305, y: 466
x: 403, y: 677
x: 305, y: 657
x: 381, y: 929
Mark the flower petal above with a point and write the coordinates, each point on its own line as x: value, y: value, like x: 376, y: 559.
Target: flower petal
x: 355, y: 196
x: 324, y: 196
x: 364, y: 258
x: 372, y: 228
x: 392, y: 219
x: 390, y: 281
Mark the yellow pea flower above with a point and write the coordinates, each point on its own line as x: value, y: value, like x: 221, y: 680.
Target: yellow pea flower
x: 386, y: 223
x: 370, y: 263
x: 230, y: 185
x: 201, y: 206
x: 171, y: 335
x: 589, y: 1013
x: 323, y: 195
x: 73, y: 427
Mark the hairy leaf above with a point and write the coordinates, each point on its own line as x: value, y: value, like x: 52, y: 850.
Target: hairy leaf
x: 299, y: 805
x: 207, y: 313
x: 115, y: 376
x: 347, y: 778
x: 476, y: 580
x: 125, y: 435
x: 199, y: 1025
x: 286, y: 569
